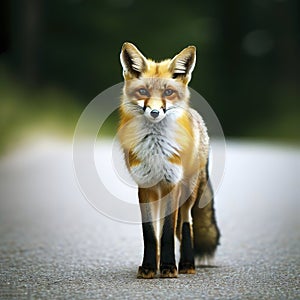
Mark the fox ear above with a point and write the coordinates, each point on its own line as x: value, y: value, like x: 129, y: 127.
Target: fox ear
x: 183, y: 63
x: 132, y: 60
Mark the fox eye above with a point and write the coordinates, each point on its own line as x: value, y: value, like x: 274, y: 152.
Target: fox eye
x: 168, y: 92
x: 143, y: 92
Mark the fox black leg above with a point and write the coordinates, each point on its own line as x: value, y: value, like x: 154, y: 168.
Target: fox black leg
x: 168, y: 267
x: 167, y: 255
x: 187, y: 262
x: 148, y: 268
x: 185, y: 235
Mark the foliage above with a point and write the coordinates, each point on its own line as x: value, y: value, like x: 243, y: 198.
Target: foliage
x: 247, y: 58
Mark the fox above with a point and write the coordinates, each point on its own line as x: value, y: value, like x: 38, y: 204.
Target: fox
x: 166, y: 150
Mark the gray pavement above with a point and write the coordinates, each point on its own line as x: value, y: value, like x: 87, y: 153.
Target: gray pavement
x: 55, y: 245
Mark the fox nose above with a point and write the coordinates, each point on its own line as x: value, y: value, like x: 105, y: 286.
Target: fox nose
x: 154, y: 113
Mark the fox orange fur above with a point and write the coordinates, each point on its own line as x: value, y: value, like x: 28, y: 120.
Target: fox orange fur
x: 166, y: 148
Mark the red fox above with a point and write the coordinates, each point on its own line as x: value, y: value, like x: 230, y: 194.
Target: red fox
x: 166, y: 148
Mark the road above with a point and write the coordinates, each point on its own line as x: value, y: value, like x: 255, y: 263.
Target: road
x: 55, y: 245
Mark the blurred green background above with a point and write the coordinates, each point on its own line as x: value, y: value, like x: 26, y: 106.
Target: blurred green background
x: 56, y: 56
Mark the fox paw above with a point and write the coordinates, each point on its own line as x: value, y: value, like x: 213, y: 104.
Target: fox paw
x: 168, y: 271
x: 146, y: 272
x: 187, y: 268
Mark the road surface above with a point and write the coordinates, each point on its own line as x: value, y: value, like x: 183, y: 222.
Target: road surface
x: 55, y: 245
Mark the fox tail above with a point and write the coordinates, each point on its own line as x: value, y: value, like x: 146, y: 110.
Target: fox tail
x: 205, y: 229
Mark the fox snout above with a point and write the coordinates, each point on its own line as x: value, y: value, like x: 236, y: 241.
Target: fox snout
x: 154, y: 110
x: 154, y: 113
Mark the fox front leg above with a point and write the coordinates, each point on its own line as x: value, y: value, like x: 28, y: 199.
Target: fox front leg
x: 148, y: 268
x: 149, y: 265
x: 169, y: 210
x: 168, y: 267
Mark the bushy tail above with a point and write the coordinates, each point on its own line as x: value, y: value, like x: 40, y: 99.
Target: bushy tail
x: 205, y: 229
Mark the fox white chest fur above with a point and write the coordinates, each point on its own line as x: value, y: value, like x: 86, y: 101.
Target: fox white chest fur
x: 154, y: 146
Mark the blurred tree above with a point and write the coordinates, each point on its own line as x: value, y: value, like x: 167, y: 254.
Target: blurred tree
x: 4, y: 26
x: 248, y: 52
x: 26, y: 30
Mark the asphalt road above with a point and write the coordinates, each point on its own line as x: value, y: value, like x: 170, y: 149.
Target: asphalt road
x: 55, y: 245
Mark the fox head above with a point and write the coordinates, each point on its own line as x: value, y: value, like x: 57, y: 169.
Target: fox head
x: 156, y: 89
